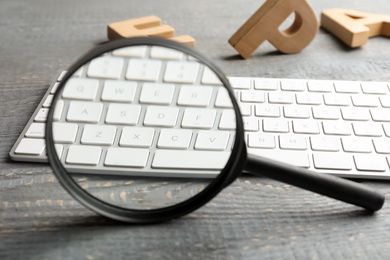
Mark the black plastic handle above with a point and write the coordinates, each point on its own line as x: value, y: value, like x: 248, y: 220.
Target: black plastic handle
x: 325, y: 184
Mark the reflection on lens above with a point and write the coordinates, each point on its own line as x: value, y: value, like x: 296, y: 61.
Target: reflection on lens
x: 144, y: 127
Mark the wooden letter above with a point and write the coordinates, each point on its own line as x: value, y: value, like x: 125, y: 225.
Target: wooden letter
x: 353, y: 27
x: 145, y: 26
x: 264, y: 25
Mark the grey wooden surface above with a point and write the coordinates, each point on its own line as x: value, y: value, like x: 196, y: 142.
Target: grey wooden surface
x: 254, y: 218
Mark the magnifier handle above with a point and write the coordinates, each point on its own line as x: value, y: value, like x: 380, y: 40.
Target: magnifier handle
x: 325, y: 184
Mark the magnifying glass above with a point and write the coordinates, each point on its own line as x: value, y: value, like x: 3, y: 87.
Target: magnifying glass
x: 145, y: 129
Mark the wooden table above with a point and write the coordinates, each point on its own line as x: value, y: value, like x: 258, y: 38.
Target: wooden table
x: 254, y: 218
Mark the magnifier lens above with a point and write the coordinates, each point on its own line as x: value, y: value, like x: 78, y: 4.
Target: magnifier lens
x: 142, y: 127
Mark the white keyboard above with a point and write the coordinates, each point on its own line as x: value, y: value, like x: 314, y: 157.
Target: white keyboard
x: 337, y: 127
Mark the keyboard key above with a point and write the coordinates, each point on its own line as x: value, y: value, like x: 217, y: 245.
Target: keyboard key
x: 181, y: 72
x: 87, y: 112
x: 42, y: 115
x: 48, y: 101
x: 158, y: 52
x: 228, y: 120
x: 355, y: 114
x: 251, y: 124
x: 132, y: 51
x: 337, y: 100
x: 365, y: 101
x: 280, y: 98
x: 374, y: 87
x: 143, y: 69
x: 58, y: 110
x: 296, y: 112
x: 309, y: 99
x: 275, y: 126
x: 297, y: 158
x: 336, y: 128
x: 380, y: 115
x: 252, y: 96
x: 98, y: 134
x: 370, y: 163
x: 260, y: 140
x: 293, y: 85
x: 324, y: 143
x: 123, y: 114
x: 326, y: 112
x: 223, y: 99
x: 137, y: 137
x: 198, y: 118
x: 155, y: 93
x: 240, y: 83
x: 30, y: 146
x: 367, y: 129
x: 81, y: 89
x: 305, y: 127
x: 332, y: 161
x: 127, y: 157
x: 355, y: 144
x: 65, y: 132
x: 385, y: 101
x: 292, y: 142
x: 174, y: 139
x: 198, y: 96
x: 83, y: 155
x: 386, y: 128
x: 266, y: 84
x: 382, y: 145
x: 106, y: 67
x: 267, y: 111
x: 210, y: 78
x: 36, y: 130
x: 119, y: 91
x: 320, y: 86
x: 212, y: 140
x: 197, y: 160
x: 161, y: 116
x: 347, y: 86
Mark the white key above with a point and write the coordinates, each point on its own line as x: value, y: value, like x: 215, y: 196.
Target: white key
x: 155, y: 93
x: 251, y: 124
x: 161, y: 116
x: 326, y: 112
x: 158, y: 52
x: 382, y: 145
x: 309, y: 98
x: 275, y: 126
x: 31, y: 146
x: 374, y: 87
x: 55, y: 87
x: 41, y: 115
x: 228, y: 120
x: 143, y: 69
x: 256, y: 140
x: 197, y: 160
x: 58, y: 110
x: 98, y: 134
x: 356, y: 114
x: 181, y: 72
x: 81, y: 89
x: 267, y: 111
x: 337, y: 100
x: 240, y: 83
x: 210, y: 78
x: 320, y: 86
x: 367, y: 129
x: 252, y: 96
x: 65, y: 132
x: 266, y: 84
x: 83, y: 155
x: 280, y: 98
x: 198, y: 96
x: 246, y: 109
x: 174, y: 139
x: 297, y: 158
x: 296, y: 111
x: 305, y: 127
x: 61, y: 76
x: 386, y: 128
x: 123, y: 114
x: 127, y: 157
x: 385, y: 101
x: 347, y: 86
x: 199, y: 118
x: 132, y: 51
x: 293, y: 85
x: 381, y: 115
x: 359, y: 145
x: 223, y: 99
x: 119, y: 91
x: 332, y: 161
x: 212, y: 140
x: 336, y: 128
x: 324, y: 143
x: 106, y: 67
x: 48, y: 101
x: 370, y: 163
x: 365, y: 101
x: 59, y: 149
x: 88, y: 112
x: 292, y: 142
x: 137, y: 137
x: 36, y: 130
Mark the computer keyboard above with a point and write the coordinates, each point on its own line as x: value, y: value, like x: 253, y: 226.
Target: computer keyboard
x: 336, y: 127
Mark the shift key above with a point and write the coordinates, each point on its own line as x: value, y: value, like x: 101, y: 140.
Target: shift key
x: 334, y: 161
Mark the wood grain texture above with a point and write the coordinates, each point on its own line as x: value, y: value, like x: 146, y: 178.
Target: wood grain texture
x: 254, y: 218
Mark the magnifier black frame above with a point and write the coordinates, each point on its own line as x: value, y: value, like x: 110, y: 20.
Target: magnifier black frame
x: 231, y: 171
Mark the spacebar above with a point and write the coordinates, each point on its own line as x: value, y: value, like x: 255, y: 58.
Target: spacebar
x: 198, y: 160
